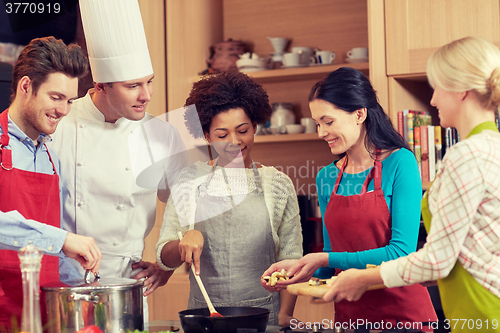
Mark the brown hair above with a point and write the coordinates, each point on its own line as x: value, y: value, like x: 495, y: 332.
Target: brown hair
x: 43, y: 56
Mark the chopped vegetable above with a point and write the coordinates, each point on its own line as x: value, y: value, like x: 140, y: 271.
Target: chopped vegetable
x: 277, y: 276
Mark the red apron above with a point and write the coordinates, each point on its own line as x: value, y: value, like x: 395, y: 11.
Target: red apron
x: 35, y: 196
x: 363, y: 222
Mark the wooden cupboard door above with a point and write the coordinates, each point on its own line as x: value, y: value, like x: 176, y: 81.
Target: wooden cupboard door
x: 416, y: 28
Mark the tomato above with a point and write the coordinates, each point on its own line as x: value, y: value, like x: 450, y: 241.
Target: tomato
x: 90, y: 329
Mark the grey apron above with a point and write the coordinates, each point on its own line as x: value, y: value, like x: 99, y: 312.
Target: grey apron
x: 238, y: 248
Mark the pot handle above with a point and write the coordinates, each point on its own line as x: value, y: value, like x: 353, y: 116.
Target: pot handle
x: 84, y: 297
x: 86, y: 277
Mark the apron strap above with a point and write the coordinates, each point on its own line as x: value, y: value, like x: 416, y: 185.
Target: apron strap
x: 5, y: 151
x: 375, y: 174
x: 50, y: 158
x: 339, y: 176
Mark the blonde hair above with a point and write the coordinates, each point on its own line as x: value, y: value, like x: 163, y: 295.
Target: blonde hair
x: 467, y: 64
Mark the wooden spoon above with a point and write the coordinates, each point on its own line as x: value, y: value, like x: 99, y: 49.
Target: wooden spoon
x: 211, y: 308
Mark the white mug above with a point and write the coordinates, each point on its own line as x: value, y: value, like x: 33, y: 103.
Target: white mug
x: 291, y: 59
x: 357, y: 53
x: 305, y: 54
x: 309, y: 124
x: 325, y: 57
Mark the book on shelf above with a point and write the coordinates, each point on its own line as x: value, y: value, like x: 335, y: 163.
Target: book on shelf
x: 424, y: 148
x: 417, y: 150
x: 409, y: 130
x: 432, y: 152
x: 438, y: 140
x: 400, y: 124
x: 409, y: 119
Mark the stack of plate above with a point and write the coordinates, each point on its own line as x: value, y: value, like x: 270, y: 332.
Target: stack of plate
x: 251, y: 65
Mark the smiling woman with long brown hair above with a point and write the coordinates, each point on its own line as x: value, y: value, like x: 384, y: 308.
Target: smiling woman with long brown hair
x: 237, y: 216
x: 461, y: 209
x: 369, y: 200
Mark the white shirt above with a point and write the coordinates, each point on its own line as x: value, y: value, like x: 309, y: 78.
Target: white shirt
x: 100, y: 196
x: 464, y: 201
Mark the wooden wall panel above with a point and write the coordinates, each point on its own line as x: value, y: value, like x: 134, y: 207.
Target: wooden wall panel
x: 334, y: 25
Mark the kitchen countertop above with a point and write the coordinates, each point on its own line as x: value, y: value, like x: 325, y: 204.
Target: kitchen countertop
x: 162, y: 325
x: 159, y: 325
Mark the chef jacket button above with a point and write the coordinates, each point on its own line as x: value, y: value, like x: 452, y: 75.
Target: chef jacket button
x: 120, y: 207
x: 50, y: 248
x: 14, y: 242
x: 82, y: 125
x: 80, y: 204
x: 127, y: 168
x: 79, y: 164
x: 115, y: 244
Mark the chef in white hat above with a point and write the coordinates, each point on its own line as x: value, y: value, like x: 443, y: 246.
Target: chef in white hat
x: 100, y: 195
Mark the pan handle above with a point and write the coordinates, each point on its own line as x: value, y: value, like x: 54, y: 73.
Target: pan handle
x: 84, y: 297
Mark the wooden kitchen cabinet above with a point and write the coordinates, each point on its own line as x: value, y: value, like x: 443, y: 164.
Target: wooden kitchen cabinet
x: 415, y: 28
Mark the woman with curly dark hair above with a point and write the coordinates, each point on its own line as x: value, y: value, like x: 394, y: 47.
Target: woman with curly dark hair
x: 238, y: 217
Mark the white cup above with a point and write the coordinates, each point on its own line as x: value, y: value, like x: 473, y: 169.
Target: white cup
x: 309, y: 124
x: 357, y: 53
x: 291, y: 59
x: 325, y: 57
x: 306, y: 54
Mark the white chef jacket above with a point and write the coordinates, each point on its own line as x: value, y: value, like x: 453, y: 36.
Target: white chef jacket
x: 100, y: 196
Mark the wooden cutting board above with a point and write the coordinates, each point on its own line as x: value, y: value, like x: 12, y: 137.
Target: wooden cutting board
x: 316, y: 291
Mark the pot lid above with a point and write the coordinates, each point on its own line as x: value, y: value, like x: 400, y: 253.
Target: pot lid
x: 102, y: 284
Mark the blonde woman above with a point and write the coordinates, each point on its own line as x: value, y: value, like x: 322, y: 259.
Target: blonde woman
x: 461, y: 209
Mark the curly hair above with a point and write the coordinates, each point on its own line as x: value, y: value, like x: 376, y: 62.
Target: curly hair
x: 222, y: 92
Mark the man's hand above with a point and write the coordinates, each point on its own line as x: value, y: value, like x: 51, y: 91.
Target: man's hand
x: 84, y: 250
x: 155, y: 276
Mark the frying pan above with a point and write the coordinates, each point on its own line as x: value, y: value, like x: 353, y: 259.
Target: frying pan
x: 235, y: 320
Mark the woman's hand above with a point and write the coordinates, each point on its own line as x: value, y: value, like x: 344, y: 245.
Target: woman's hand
x: 276, y: 267
x: 305, y: 267
x: 190, y: 248
x: 352, y: 284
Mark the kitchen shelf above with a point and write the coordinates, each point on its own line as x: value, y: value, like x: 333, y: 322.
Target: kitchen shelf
x: 287, y: 137
x: 300, y: 73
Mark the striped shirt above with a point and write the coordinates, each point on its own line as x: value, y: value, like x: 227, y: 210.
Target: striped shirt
x: 464, y: 201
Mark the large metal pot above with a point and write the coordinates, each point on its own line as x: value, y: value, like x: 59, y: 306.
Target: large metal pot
x: 234, y: 319
x: 114, y: 305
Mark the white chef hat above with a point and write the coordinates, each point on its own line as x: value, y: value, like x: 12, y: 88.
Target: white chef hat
x: 116, y: 41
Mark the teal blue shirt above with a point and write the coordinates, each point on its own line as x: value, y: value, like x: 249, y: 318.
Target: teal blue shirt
x: 402, y: 189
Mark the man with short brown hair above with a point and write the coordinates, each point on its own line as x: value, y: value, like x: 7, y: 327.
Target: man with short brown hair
x: 45, y: 83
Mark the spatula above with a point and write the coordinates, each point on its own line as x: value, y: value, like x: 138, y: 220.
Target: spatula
x: 213, y: 312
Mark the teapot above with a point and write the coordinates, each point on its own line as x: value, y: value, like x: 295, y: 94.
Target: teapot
x: 282, y: 115
x: 223, y: 55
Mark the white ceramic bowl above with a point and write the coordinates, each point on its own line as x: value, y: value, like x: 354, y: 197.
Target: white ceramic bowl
x: 294, y: 128
x: 250, y: 63
x: 273, y: 130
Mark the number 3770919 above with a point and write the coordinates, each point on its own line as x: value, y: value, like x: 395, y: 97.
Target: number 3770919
x: 32, y: 8
x: 471, y: 324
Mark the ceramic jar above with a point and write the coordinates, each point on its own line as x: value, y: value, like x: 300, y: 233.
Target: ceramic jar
x: 282, y: 115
